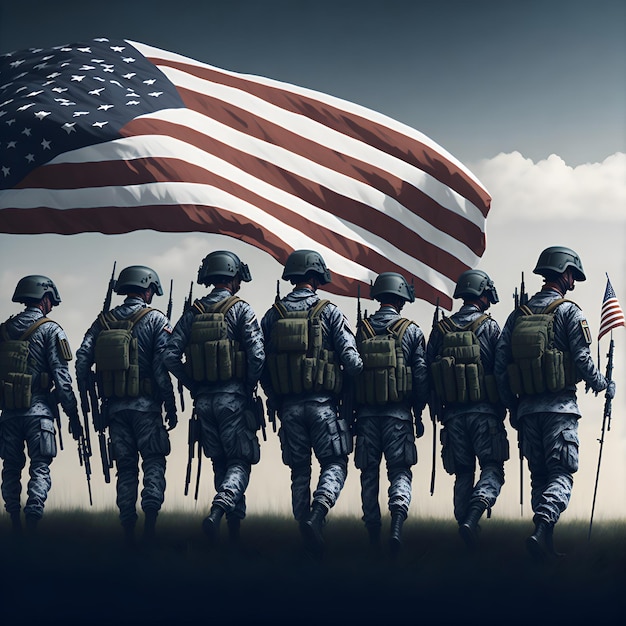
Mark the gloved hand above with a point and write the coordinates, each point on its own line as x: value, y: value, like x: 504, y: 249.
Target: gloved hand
x: 171, y: 419
x: 419, y: 427
x: 76, y: 428
x: 610, y: 390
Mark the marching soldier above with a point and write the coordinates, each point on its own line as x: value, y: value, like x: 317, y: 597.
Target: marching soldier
x: 220, y: 338
x: 471, y: 412
x: 132, y: 390
x: 34, y: 377
x: 310, y: 347
x: 541, y: 392
x: 390, y: 401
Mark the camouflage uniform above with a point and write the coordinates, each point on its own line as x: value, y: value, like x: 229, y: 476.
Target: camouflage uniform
x: 136, y: 423
x: 473, y: 430
x: 228, y: 427
x: 35, y: 426
x: 388, y: 429
x: 549, y: 421
x: 309, y: 422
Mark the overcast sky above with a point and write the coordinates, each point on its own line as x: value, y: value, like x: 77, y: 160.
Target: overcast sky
x: 530, y: 96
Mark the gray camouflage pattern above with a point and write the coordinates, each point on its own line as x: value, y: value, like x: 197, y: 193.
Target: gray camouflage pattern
x: 137, y: 434
x: 33, y: 428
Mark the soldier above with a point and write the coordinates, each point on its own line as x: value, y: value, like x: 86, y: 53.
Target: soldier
x: 34, y: 376
x: 309, y: 348
x: 224, y: 355
x: 541, y: 393
x: 384, y: 422
x: 133, y: 393
x: 471, y: 413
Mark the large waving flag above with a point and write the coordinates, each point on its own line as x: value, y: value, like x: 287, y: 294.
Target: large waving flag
x: 113, y: 136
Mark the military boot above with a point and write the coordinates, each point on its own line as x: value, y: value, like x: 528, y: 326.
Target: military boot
x: 469, y: 529
x: 211, y: 523
x: 538, y: 544
x: 550, y: 543
x: 16, y: 524
x: 149, y: 525
x: 395, y: 539
x: 312, y: 529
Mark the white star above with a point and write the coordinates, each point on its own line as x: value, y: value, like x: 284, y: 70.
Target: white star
x: 17, y: 63
x: 26, y: 106
x: 87, y: 67
x: 77, y: 78
x: 69, y: 128
x: 105, y: 107
x: 10, y: 122
x: 150, y: 81
x: 101, y: 39
x: 2, y: 113
x: 26, y: 131
x: 84, y: 50
x: 59, y: 89
x: 80, y: 113
x: 22, y: 88
x: 115, y: 82
x: 64, y: 102
x: 50, y: 56
x: 133, y: 102
x: 6, y: 102
x: 5, y: 170
x: 117, y: 48
x: 108, y: 68
x: 45, y: 144
x: 96, y: 92
x: 155, y: 94
x: 11, y: 144
x: 130, y: 75
x: 30, y: 158
x: 99, y: 78
x: 128, y: 60
x: 40, y: 115
x: 99, y: 124
x: 132, y: 94
x: 40, y: 66
x: 32, y: 94
x: 48, y: 82
x: 53, y: 75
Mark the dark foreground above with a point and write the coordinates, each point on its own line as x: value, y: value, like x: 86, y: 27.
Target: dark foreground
x: 76, y: 570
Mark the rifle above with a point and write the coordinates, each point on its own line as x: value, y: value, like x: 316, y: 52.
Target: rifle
x: 169, y: 304
x: 186, y: 305
x: 434, y: 407
x: 193, y: 437
x: 84, y: 450
x: 520, y: 299
x: 259, y: 414
x: 606, y: 421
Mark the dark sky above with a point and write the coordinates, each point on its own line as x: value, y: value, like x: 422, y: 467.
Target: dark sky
x: 479, y: 78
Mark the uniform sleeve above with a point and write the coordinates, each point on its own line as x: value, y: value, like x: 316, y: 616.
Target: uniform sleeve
x: 419, y: 367
x: 252, y: 340
x: 343, y: 341
x: 57, y: 362
x: 85, y: 355
x: 175, y: 348
x: 161, y: 332
x: 501, y: 360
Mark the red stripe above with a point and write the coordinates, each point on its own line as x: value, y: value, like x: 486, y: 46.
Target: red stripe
x: 190, y: 218
x: 388, y: 140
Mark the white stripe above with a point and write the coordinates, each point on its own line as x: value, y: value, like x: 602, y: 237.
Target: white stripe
x: 350, y: 107
x: 331, y: 139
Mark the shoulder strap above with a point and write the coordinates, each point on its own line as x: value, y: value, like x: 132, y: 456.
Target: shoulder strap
x: 526, y: 310
x: 217, y: 307
x: 398, y: 328
x: 316, y: 310
x: 106, y: 319
x: 33, y: 327
x: 140, y: 314
x: 367, y: 331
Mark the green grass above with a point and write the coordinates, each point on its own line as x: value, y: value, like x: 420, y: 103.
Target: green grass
x: 77, y: 570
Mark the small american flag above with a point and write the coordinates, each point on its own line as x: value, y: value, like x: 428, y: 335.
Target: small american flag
x: 611, y: 315
x: 113, y: 136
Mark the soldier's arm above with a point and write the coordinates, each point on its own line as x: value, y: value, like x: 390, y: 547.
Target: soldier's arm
x: 175, y: 348
x: 161, y: 332
x: 343, y: 340
x: 59, y: 354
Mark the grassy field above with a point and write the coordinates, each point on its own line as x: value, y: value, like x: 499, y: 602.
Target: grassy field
x: 76, y: 570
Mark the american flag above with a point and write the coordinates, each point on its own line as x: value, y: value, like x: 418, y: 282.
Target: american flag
x: 113, y: 136
x: 611, y: 315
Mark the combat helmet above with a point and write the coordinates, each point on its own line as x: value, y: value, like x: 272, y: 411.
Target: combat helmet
x: 222, y: 263
x: 556, y: 259
x: 300, y: 262
x: 35, y: 287
x: 475, y: 283
x: 137, y: 277
x: 393, y: 284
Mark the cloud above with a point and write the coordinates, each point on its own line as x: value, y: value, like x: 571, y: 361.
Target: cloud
x: 551, y: 189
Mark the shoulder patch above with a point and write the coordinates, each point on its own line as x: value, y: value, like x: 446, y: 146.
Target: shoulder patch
x: 586, y: 331
x: 64, y: 348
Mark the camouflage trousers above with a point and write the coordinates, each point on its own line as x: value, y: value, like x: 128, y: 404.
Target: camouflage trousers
x: 307, y: 428
x: 550, y: 444
x: 134, y: 434
x: 38, y: 434
x: 394, y: 438
x: 465, y: 439
x: 228, y: 431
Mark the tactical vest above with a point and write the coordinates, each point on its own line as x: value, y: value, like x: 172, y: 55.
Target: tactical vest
x: 117, y: 357
x: 386, y: 377
x: 15, y: 383
x: 457, y: 372
x: 295, y: 358
x: 210, y: 356
x: 538, y: 366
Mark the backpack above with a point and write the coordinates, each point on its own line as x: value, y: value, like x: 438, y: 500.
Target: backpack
x: 538, y: 366
x: 385, y: 376
x: 117, y: 357
x: 210, y: 356
x: 457, y: 372
x: 295, y: 358
x: 15, y: 383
